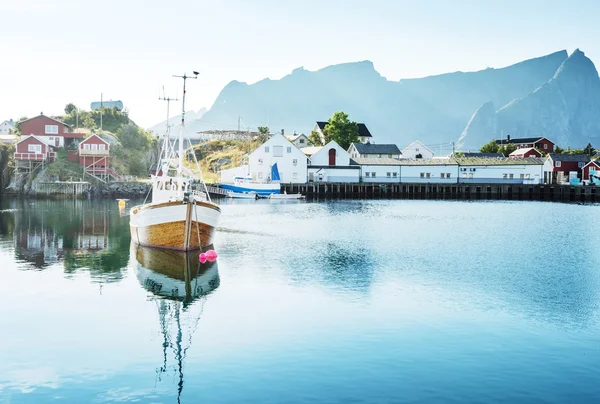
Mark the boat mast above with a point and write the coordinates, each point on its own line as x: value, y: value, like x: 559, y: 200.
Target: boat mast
x: 168, y: 130
x: 180, y: 163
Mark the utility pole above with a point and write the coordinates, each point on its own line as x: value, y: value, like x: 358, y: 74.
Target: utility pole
x: 453, y: 148
x: 76, y: 118
x: 239, y: 117
x: 101, y: 109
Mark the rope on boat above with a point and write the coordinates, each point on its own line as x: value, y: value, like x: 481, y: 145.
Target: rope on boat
x: 197, y: 224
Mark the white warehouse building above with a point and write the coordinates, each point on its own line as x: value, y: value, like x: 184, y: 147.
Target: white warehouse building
x: 291, y: 162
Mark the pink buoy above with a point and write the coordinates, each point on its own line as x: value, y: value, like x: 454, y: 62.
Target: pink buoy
x: 211, y: 255
x: 203, y: 258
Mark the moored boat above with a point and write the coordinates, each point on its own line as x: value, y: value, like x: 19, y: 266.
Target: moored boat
x: 242, y: 195
x: 180, y: 217
x: 286, y: 196
x: 263, y: 189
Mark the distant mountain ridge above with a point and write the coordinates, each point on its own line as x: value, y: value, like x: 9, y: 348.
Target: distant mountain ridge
x: 565, y: 109
x: 192, y: 122
x: 434, y: 110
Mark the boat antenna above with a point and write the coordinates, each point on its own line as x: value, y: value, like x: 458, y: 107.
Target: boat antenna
x: 184, y: 77
x: 166, y: 143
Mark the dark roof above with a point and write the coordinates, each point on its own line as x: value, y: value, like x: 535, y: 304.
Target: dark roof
x: 524, y: 140
x: 569, y: 157
x: 369, y: 148
x: 363, y: 131
x: 478, y: 154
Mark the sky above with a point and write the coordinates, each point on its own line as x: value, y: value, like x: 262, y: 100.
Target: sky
x: 61, y: 51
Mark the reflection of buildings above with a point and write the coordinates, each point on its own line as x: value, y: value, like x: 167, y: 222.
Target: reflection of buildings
x: 93, y: 233
x: 38, y: 245
x: 178, y: 283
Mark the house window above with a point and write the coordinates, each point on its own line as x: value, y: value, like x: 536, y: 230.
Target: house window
x: 260, y: 161
x: 50, y: 138
x: 527, y: 176
x: 470, y: 175
x: 101, y: 147
x: 373, y: 174
x: 295, y: 176
x: 379, y: 155
x: 389, y: 175
x: 94, y: 147
x: 428, y: 175
x: 260, y: 176
x: 558, y: 164
x: 521, y: 176
x: 277, y: 151
x: 505, y: 176
x: 422, y: 175
x: 86, y: 146
x: 417, y: 149
x: 289, y: 150
x: 389, y: 156
x: 34, y: 148
x: 443, y: 175
x: 545, y: 146
x: 301, y: 141
x: 295, y: 162
x: 395, y: 174
x: 447, y: 175
x: 51, y: 129
x: 511, y: 176
x: 367, y: 174
x: 464, y: 175
x: 266, y: 149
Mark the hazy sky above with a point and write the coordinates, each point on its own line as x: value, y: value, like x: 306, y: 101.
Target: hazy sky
x: 60, y: 51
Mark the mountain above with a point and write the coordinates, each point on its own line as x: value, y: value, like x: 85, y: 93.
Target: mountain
x: 192, y: 122
x: 432, y: 109
x: 565, y: 109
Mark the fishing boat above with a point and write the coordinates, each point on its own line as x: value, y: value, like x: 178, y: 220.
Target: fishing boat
x: 242, y: 195
x: 181, y: 215
x: 247, y: 184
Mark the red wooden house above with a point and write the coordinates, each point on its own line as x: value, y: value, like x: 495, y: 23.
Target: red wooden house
x: 32, y: 148
x: 525, y: 153
x: 558, y: 168
x: 593, y: 166
x: 94, y: 158
x: 540, y: 143
x: 53, y: 131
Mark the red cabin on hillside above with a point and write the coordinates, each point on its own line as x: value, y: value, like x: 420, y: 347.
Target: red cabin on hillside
x: 32, y: 148
x: 53, y: 131
x: 540, y: 143
x: 94, y: 155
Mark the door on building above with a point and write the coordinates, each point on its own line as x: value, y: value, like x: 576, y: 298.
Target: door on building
x: 332, y: 157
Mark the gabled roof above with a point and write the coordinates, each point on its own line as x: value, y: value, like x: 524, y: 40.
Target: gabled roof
x: 569, y: 157
x: 310, y: 150
x: 506, y: 161
x: 523, y: 140
x: 10, y: 123
x: 23, y: 138
x: 479, y: 154
x: 363, y: 131
x: 415, y: 143
x: 55, y: 120
x: 596, y: 163
x: 94, y: 135
x: 369, y: 148
x: 376, y: 161
x: 292, y: 138
x: 524, y: 150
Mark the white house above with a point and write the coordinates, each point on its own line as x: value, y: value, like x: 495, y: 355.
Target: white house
x: 370, y: 150
x: 6, y: 127
x: 299, y: 141
x: 291, y: 162
x: 506, y: 171
x: 417, y: 150
x: 228, y: 174
x: 379, y: 169
x: 438, y: 171
x: 364, y: 136
x: 332, y: 164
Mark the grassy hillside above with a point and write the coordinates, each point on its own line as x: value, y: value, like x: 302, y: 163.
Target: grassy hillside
x: 216, y: 155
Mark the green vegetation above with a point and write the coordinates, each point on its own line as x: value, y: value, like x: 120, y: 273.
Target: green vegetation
x: 315, y: 138
x: 340, y: 129
x: 63, y: 169
x: 216, y: 155
x: 493, y: 147
x: 112, y: 119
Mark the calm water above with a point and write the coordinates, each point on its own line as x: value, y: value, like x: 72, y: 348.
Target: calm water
x: 340, y: 302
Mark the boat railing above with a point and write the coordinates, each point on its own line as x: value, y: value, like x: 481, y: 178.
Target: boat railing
x: 199, y: 195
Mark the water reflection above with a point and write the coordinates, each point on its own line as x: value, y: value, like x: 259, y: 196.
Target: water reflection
x: 178, y: 284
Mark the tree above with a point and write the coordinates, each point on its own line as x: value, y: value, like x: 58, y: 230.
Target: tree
x: 70, y: 109
x: 263, y: 133
x: 340, y: 129
x: 490, y: 147
x: 589, y: 150
x: 559, y: 150
x: 315, y: 138
x: 507, y: 149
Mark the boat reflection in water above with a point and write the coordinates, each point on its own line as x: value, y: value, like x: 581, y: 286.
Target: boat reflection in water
x: 179, y: 285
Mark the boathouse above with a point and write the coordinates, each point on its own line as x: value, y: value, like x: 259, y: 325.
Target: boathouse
x: 496, y: 170
x: 94, y: 158
x: 291, y: 162
x: 52, y: 131
x: 379, y: 169
x: 439, y: 171
x: 32, y: 153
x: 332, y: 164
x: 591, y: 166
x: 562, y: 168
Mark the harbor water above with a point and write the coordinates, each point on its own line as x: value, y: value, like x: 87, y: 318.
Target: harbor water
x: 363, y: 301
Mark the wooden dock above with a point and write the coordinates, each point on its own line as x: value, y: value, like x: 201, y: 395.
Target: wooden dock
x: 64, y: 188
x: 539, y: 192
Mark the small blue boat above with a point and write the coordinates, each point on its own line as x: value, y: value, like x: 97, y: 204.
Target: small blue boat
x: 247, y: 184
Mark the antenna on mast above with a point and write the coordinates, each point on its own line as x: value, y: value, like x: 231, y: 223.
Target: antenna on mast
x: 184, y: 77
